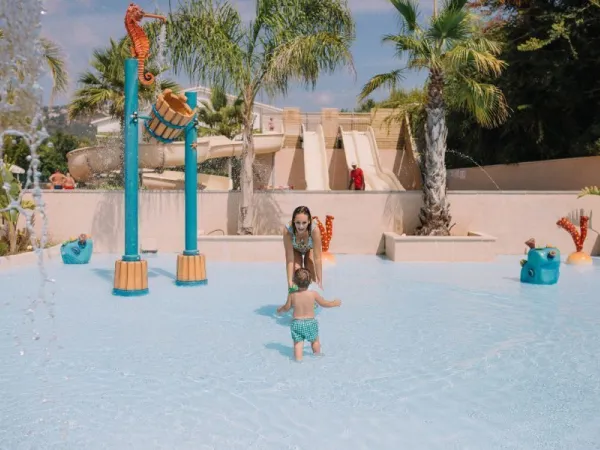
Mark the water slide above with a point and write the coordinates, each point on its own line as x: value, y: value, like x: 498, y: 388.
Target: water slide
x: 360, y: 147
x: 316, y: 171
x: 87, y: 161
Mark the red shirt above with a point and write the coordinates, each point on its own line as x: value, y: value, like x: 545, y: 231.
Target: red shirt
x: 358, y: 178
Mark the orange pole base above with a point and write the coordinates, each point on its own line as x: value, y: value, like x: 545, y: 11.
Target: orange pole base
x: 191, y: 270
x: 131, y: 278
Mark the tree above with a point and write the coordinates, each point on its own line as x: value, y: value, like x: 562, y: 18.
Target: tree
x: 287, y: 40
x: 455, y: 53
x: 52, y: 152
x: 219, y: 117
x: 55, y: 62
x: 10, y: 237
x: 102, y: 89
x: 550, y: 83
x: 366, y: 106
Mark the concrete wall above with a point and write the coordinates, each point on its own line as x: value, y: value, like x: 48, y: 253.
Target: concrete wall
x: 557, y: 174
x: 361, y: 218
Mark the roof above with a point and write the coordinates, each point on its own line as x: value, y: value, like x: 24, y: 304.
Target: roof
x: 206, y: 91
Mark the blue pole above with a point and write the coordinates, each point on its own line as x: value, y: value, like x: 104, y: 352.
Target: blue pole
x: 191, y: 181
x: 131, y: 161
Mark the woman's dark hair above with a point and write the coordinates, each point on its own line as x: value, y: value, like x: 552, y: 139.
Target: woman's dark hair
x: 302, y: 210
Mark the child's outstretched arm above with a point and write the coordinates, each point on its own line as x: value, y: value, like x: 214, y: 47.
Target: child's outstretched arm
x: 327, y: 304
x: 287, y: 306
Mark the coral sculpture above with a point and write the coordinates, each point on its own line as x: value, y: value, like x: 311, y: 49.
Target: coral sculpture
x: 579, y: 256
x: 326, y: 234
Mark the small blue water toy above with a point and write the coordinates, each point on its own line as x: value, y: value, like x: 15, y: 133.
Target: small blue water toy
x: 542, y: 265
x: 77, y: 251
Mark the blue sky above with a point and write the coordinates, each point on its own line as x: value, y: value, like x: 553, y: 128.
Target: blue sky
x: 79, y: 26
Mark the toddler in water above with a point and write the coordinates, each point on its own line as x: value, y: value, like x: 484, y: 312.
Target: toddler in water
x: 304, y: 326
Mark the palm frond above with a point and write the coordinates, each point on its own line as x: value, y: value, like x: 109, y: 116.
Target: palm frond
x: 484, y: 101
x: 450, y: 26
x: 454, y: 5
x: 389, y: 80
x: 55, y: 61
x: 415, y: 47
x: 463, y: 56
x: 304, y: 57
x: 215, y: 33
x: 409, y: 14
x: 589, y: 190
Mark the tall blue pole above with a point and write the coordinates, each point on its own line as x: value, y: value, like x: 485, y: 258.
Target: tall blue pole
x: 131, y: 161
x: 191, y: 182
x: 131, y: 273
x: 191, y: 265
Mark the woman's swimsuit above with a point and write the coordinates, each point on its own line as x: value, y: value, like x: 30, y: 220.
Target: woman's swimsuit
x: 301, y: 246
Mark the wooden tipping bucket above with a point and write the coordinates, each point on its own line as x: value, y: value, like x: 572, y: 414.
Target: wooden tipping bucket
x: 170, y: 115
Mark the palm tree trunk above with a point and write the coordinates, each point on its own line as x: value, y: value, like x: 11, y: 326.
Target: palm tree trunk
x: 12, y: 237
x: 435, y: 213
x: 245, y: 220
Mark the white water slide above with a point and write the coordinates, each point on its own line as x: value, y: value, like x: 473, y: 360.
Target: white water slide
x: 84, y: 162
x: 316, y: 172
x: 360, y: 147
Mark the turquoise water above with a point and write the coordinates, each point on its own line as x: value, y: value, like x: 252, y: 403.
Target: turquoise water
x: 419, y: 356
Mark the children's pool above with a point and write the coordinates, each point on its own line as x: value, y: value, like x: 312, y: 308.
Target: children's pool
x: 419, y: 356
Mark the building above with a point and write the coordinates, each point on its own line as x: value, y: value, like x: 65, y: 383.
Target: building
x: 262, y: 113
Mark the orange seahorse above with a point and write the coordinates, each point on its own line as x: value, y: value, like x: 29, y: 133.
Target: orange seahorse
x: 140, y: 45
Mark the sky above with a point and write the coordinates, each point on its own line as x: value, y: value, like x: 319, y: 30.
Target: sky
x: 79, y: 26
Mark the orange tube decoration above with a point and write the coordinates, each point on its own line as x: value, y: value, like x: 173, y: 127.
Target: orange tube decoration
x: 579, y: 256
x: 326, y: 235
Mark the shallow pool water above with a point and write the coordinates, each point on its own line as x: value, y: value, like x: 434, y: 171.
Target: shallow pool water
x: 419, y: 356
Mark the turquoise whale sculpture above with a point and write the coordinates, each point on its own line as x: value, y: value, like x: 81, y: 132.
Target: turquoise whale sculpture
x: 542, y: 265
x: 77, y: 251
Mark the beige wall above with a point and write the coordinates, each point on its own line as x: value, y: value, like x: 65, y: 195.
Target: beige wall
x: 557, y: 174
x: 360, y: 218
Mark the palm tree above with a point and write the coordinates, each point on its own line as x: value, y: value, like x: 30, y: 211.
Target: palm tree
x: 287, y: 40
x: 219, y: 117
x: 102, y: 89
x: 55, y: 62
x: 457, y: 57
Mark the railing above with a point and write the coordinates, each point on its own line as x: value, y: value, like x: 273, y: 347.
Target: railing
x: 355, y: 121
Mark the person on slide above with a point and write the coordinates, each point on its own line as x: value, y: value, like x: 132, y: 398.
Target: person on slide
x: 357, y: 178
x: 303, y: 247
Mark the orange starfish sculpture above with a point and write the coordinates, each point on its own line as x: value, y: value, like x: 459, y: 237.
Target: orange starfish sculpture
x: 579, y: 256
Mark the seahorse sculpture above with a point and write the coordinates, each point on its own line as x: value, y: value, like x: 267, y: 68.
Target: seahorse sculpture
x: 140, y: 45
x: 326, y: 231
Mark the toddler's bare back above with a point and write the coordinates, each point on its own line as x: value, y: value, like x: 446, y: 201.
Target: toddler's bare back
x: 303, y: 303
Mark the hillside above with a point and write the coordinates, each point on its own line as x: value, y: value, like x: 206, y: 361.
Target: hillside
x: 56, y: 119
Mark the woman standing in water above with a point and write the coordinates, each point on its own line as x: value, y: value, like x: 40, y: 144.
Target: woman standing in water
x: 302, y: 243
